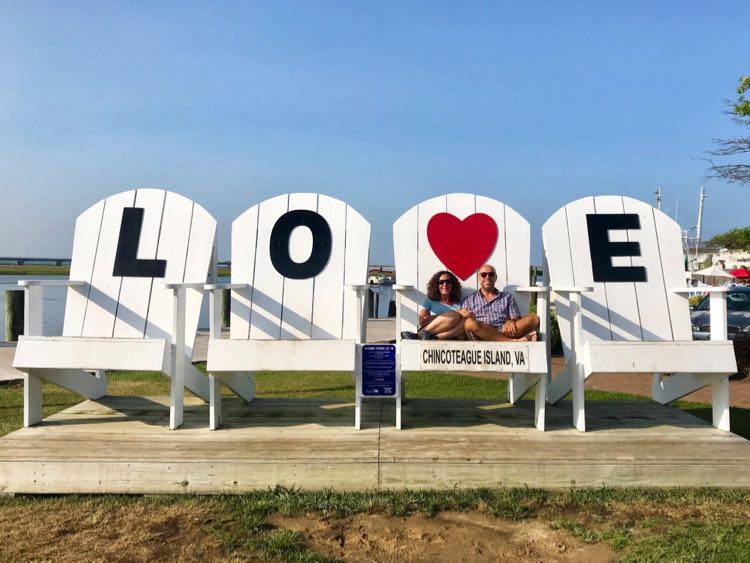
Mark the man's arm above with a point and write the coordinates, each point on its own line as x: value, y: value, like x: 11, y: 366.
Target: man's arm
x: 510, y: 328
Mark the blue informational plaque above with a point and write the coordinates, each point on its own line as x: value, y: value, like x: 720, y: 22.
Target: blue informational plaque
x: 378, y: 370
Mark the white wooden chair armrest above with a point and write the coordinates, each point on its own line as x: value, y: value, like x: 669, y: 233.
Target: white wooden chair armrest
x: 542, y: 310
x: 534, y: 289
x: 179, y: 285
x: 706, y: 289
x: 217, y: 286
x: 717, y: 308
x: 214, y: 309
x: 572, y: 289
x: 400, y: 288
x: 33, y: 308
x: 51, y: 283
x: 360, y: 288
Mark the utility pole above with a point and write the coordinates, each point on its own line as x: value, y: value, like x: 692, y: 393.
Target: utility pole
x: 699, y: 226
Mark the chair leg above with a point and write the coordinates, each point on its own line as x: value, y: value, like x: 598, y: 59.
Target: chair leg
x: 398, y: 413
x: 579, y: 414
x: 177, y: 394
x: 358, y: 412
x: 720, y: 403
x: 400, y: 397
x: 32, y: 399
x: 358, y: 395
x: 214, y: 404
x: 540, y: 402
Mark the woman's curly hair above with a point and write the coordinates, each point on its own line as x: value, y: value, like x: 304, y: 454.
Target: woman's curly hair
x: 432, y: 287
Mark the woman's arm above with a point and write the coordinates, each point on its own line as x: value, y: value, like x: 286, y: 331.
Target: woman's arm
x: 424, y: 317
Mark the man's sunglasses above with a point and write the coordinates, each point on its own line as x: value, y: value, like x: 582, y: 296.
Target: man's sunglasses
x: 485, y: 274
x: 445, y: 282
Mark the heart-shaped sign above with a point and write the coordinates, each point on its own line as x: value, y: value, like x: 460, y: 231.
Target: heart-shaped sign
x: 462, y: 246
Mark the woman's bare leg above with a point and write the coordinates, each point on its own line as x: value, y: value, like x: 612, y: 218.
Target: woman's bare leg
x: 456, y: 333
x: 443, y: 323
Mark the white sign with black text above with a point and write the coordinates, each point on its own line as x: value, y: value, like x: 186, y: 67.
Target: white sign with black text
x: 465, y: 356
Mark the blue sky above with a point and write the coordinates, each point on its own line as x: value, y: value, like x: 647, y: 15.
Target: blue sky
x: 379, y: 104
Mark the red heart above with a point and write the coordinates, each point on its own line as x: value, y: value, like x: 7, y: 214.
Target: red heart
x: 462, y: 246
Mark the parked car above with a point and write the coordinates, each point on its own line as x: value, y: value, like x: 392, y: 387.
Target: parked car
x: 738, y: 314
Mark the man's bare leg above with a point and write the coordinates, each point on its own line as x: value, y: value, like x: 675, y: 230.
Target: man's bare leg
x: 525, y: 326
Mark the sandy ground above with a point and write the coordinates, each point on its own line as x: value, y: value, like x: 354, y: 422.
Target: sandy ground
x: 182, y: 532
x: 448, y: 536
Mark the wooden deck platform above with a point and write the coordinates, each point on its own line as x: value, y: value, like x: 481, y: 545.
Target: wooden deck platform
x: 123, y: 445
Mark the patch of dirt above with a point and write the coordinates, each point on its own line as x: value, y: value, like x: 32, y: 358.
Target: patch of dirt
x: 448, y: 536
x: 141, y: 531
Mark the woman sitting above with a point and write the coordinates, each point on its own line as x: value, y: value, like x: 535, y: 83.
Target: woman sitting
x: 439, y: 317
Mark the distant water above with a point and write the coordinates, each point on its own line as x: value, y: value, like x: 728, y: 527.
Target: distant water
x: 54, y: 304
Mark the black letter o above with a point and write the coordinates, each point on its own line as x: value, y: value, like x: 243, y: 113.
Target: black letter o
x: 321, y: 250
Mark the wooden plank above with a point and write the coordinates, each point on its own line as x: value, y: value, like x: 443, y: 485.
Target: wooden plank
x: 276, y: 355
x: 559, y: 270
x: 462, y: 205
x: 356, y: 261
x: 659, y: 357
x: 669, y: 235
x: 92, y: 353
x: 296, y: 313
x: 104, y: 294
x: 191, y: 478
x: 173, y: 247
x: 328, y: 299
x: 198, y: 265
x: 244, y: 249
x: 405, y: 254
x: 620, y: 297
x: 446, y: 355
x: 427, y: 262
x: 85, y: 241
x: 135, y: 293
x: 652, y: 295
x: 595, y: 311
x: 499, y: 256
x: 268, y: 284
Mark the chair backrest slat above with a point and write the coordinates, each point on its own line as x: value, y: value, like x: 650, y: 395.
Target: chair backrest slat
x: 104, y: 288
x: 85, y: 239
x: 133, y: 303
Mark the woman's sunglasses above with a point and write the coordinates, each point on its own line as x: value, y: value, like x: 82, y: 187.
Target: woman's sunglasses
x: 445, y: 282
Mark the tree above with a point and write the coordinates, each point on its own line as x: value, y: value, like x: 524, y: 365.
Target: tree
x: 734, y: 239
x: 740, y: 109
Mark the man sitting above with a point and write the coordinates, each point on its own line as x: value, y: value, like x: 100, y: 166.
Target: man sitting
x: 493, y: 315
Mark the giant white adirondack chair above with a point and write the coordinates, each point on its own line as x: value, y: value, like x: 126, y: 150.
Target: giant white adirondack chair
x: 460, y: 232
x: 140, y: 260
x: 617, y: 268
x: 299, y: 274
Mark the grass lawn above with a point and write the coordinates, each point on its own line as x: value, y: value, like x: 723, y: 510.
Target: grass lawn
x: 289, y: 525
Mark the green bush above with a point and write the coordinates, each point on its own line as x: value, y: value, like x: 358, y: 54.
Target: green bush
x: 554, y: 330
